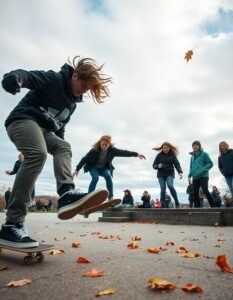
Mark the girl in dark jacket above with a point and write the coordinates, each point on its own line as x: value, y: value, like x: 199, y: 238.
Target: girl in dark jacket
x: 225, y: 164
x: 165, y: 162
x: 98, y: 161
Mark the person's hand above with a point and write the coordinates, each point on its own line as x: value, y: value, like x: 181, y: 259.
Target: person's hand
x: 11, y: 84
x: 141, y: 156
x: 75, y: 173
x: 7, y: 172
x: 160, y: 165
x: 180, y: 175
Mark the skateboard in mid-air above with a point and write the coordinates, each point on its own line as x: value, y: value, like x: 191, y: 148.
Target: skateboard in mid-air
x: 33, y: 254
x: 102, y: 206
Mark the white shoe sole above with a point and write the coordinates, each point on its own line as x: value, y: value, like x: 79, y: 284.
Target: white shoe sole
x: 92, y: 199
x: 6, y: 243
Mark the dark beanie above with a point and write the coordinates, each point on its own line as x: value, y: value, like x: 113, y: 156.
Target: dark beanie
x: 196, y: 143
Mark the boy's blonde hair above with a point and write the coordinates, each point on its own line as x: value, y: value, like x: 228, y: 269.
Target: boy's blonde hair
x: 88, y: 71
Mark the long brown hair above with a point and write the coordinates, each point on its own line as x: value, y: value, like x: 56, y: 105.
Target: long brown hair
x: 225, y: 143
x: 173, y: 148
x: 87, y: 70
x: 107, y: 138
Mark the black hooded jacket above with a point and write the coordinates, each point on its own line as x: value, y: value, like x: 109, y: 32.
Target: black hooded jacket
x: 91, y: 158
x: 49, y: 102
x: 168, y: 160
x: 225, y: 163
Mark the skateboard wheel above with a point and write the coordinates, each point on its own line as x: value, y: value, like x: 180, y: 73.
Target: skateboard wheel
x: 27, y: 260
x: 40, y: 257
x: 86, y: 215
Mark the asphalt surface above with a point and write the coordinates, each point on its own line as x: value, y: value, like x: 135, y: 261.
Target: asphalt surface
x: 127, y: 270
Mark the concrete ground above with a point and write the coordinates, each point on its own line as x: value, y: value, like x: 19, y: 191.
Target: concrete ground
x: 127, y: 270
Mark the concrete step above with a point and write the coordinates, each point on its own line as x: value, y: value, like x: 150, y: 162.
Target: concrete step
x: 116, y: 213
x: 114, y: 219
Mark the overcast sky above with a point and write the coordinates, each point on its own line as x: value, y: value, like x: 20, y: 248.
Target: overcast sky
x: 156, y: 96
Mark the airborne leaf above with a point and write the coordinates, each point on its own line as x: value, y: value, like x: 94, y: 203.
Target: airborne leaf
x: 188, y: 55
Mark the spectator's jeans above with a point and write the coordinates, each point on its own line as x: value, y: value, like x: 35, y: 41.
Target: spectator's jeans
x: 124, y: 206
x: 229, y: 180
x: 34, y: 143
x: 95, y: 173
x: 163, y: 181
x: 203, y: 183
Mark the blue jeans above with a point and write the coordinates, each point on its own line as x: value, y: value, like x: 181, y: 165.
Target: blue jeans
x: 229, y: 180
x: 163, y: 181
x: 95, y: 173
x: 124, y: 206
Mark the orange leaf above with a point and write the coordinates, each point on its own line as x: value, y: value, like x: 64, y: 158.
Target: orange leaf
x: 217, y: 246
x: 221, y: 261
x: 191, y: 255
x: 133, y: 245
x: 158, y: 283
x: 154, y: 250
x: 21, y: 282
x: 188, y: 55
x: 83, y: 260
x: 182, y: 250
x: 170, y: 243
x: 74, y: 271
x: 192, y: 288
x: 96, y: 232
x: 162, y: 249
x: 93, y: 273
x: 136, y: 238
x: 3, y: 267
x: 106, y: 292
x: 57, y: 252
x: 56, y: 239
x: 75, y: 245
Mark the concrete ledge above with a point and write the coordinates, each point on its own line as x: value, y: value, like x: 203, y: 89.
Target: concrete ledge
x: 196, y: 216
x: 114, y: 219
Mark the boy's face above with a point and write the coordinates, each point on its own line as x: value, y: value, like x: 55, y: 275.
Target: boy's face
x: 196, y: 147
x: 79, y: 87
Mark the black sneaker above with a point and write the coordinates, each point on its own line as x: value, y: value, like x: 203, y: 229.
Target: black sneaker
x: 16, y: 236
x: 73, y: 202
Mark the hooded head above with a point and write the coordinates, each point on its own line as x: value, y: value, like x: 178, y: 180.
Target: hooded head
x: 195, y: 144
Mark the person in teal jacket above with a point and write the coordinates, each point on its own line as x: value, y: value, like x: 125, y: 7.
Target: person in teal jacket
x: 200, y: 164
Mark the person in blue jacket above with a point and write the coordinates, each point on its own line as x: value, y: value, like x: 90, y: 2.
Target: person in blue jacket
x: 200, y: 164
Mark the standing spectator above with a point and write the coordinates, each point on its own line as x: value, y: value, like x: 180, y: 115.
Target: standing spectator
x: 98, y: 161
x: 16, y: 168
x: 216, y: 196
x: 128, y: 201
x: 146, y: 200
x: 225, y: 164
x: 200, y: 164
x: 7, y: 196
x: 165, y: 162
x: 190, y: 192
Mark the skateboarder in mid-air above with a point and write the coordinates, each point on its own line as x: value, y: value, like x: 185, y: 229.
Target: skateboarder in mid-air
x: 36, y: 126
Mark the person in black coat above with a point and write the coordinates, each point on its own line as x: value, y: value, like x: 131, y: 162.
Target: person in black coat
x: 190, y: 192
x: 127, y: 201
x: 225, y: 164
x: 216, y: 196
x: 146, y: 200
x: 164, y: 163
x: 98, y: 161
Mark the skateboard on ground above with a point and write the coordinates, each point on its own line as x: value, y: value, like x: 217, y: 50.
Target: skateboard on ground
x: 33, y: 254
x: 102, y: 206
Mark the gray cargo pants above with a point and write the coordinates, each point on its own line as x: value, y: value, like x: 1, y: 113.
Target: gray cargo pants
x: 35, y: 142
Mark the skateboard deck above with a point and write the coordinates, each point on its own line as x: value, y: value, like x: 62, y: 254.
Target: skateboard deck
x: 102, y: 206
x: 94, y: 198
x: 33, y: 254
